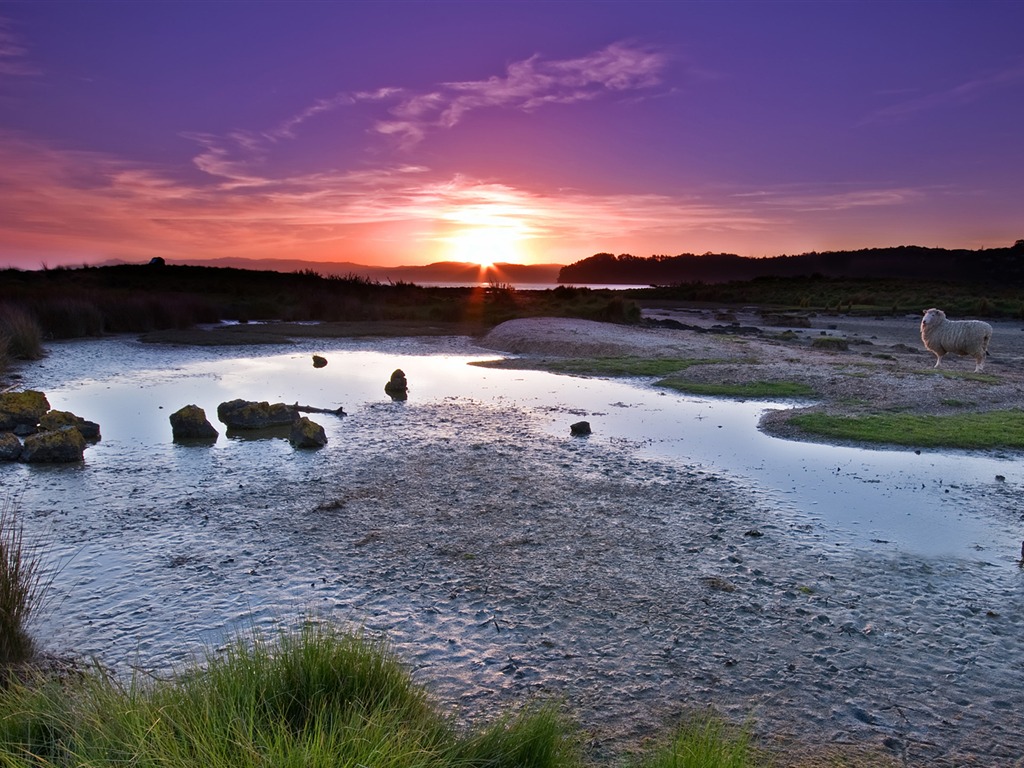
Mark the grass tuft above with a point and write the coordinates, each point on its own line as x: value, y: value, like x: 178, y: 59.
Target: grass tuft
x: 972, y: 431
x: 20, y: 334
x: 22, y: 588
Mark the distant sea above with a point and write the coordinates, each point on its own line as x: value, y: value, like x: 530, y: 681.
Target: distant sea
x: 527, y: 286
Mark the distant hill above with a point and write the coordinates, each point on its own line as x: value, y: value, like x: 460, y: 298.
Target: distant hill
x: 1002, y: 265
x: 439, y: 272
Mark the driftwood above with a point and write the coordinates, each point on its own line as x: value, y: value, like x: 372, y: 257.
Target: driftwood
x: 339, y: 411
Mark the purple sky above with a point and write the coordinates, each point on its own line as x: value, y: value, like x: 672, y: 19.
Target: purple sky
x: 410, y: 132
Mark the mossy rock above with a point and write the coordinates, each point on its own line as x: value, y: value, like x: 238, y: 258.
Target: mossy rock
x: 10, y: 447
x: 190, y: 423
x: 22, y: 409
x: 307, y: 434
x: 56, y: 419
x: 833, y: 343
x: 63, y: 445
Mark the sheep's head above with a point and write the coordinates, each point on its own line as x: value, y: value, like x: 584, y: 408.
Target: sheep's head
x: 932, y: 316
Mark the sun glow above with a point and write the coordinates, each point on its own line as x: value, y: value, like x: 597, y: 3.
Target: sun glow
x: 485, y: 246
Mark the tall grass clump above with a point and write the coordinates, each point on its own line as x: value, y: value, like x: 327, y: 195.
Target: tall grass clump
x: 704, y: 742
x: 22, y: 588
x: 20, y: 335
x: 316, y: 697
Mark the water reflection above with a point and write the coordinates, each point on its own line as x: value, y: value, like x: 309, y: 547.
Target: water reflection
x: 928, y: 503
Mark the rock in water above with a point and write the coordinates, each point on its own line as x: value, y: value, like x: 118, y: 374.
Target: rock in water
x: 22, y: 409
x: 319, y: 362
x: 190, y: 423
x: 62, y: 445
x: 10, y: 447
x: 580, y: 428
x: 397, y: 387
x: 307, y: 434
x: 245, y: 414
x: 56, y: 419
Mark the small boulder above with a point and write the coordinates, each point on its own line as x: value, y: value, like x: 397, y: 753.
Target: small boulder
x: 246, y: 414
x: 61, y: 445
x: 10, y: 447
x: 319, y: 362
x: 56, y: 419
x: 190, y: 423
x: 307, y: 434
x: 22, y: 409
x: 397, y: 387
x: 580, y: 428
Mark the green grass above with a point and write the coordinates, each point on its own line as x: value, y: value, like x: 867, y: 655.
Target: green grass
x: 992, y: 429
x: 317, y: 697
x: 750, y: 390
x: 607, y: 366
x: 22, y: 588
x: 704, y: 742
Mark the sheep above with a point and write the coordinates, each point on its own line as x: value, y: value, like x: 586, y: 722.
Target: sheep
x: 961, y: 337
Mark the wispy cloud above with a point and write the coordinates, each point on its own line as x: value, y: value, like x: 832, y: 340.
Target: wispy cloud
x: 13, y: 55
x: 526, y: 85
x: 822, y: 198
x: 957, y: 95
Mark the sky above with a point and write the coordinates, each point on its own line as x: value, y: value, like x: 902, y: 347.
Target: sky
x: 404, y: 133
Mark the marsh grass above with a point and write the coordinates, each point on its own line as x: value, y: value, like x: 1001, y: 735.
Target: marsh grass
x: 972, y: 431
x: 705, y: 742
x: 20, y: 335
x: 753, y: 390
x: 22, y: 588
x: 311, y: 698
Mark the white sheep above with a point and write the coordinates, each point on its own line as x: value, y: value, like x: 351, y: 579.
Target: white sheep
x: 961, y: 337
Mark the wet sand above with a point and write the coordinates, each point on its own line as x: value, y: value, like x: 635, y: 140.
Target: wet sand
x: 505, y: 564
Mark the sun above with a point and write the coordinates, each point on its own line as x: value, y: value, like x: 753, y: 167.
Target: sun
x: 485, y: 246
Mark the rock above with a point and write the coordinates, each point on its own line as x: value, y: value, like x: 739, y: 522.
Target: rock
x: 22, y: 409
x: 307, y: 434
x: 56, y: 419
x: 397, y: 387
x: 61, y: 445
x: 580, y: 428
x: 10, y: 447
x: 246, y: 414
x: 190, y: 423
x: 319, y: 362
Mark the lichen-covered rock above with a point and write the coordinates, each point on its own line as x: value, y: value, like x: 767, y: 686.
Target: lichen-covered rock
x: 56, y: 419
x: 62, y: 445
x: 190, y: 423
x: 246, y: 414
x: 22, y: 409
x: 307, y: 434
x: 10, y: 447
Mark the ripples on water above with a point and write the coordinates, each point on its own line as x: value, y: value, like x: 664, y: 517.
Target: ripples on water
x: 494, y: 549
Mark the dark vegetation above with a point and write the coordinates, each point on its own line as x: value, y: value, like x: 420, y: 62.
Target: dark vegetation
x: 91, y: 301
x: 995, y: 266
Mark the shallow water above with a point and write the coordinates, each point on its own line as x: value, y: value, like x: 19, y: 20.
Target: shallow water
x: 503, y: 556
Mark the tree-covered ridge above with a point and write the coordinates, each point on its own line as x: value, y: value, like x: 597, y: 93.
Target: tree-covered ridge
x: 1002, y: 265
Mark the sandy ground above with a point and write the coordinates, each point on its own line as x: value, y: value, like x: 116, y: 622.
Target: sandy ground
x: 505, y: 564
x: 885, y: 365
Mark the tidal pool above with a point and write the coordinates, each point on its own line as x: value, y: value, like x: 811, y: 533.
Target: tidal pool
x: 676, y: 554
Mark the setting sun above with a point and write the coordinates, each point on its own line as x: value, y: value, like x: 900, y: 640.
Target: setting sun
x: 485, y: 246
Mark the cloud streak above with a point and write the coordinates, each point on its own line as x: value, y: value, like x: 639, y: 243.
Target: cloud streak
x: 13, y: 55
x: 526, y: 86
x: 961, y: 94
